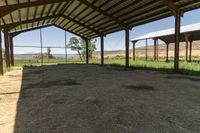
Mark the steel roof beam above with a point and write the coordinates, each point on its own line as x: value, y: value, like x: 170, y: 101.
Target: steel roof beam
x: 13, y: 25
x: 4, y: 10
x: 172, y: 7
x: 83, y: 25
x: 121, y: 23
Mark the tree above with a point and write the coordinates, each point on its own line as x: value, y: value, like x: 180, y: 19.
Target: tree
x: 79, y: 45
x: 49, y: 52
x: 74, y: 45
x: 91, y: 47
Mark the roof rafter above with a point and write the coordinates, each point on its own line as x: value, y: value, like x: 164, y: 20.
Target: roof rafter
x: 121, y: 23
x: 13, y: 25
x: 172, y: 7
x: 4, y: 10
x: 82, y: 24
x: 69, y: 31
x: 30, y: 29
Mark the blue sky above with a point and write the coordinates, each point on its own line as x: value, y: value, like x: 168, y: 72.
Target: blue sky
x: 53, y: 36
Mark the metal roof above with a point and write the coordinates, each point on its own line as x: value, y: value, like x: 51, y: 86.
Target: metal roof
x: 86, y: 18
x: 168, y: 34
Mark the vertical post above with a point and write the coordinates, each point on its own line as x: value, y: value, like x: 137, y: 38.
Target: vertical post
x: 186, y: 45
x: 146, y: 56
x: 157, y: 56
x: 167, y: 52
x: 155, y: 41
x: 11, y: 50
x: 65, y: 47
x: 7, y: 51
x: 177, y: 37
x: 87, y: 50
x: 134, y: 50
x: 102, y: 50
x: 41, y: 46
x: 190, y: 57
x: 127, y: 47
x: 1, y: 57
x: 186, y: 51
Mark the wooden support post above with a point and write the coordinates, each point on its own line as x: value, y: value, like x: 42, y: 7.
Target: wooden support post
x: 157, y: 56
x: 134, y: 50
x: 11, y: 50
x: 127, y: 47
x: 186, y: 51
x: 187, y: 35
x: 87, y: 51
x: 102, y: 50
x: 41, y: 47
x: 167, y: 52
x: 7, y: 51
x: 1, y: 56
x: 146, y: 54
x: 190, y: 56
x: 66, y: 47
x: 177, y: 39
x: 155, y: 41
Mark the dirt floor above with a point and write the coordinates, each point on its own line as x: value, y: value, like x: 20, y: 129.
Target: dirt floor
x: 95, y: 99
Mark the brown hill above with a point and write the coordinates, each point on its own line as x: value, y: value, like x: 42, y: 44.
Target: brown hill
x: 140, y: 51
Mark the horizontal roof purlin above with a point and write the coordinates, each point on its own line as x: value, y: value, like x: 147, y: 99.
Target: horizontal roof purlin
x: 168, y: 34
x: 86, y: 18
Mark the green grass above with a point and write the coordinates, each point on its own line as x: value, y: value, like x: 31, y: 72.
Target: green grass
x: 192, y: 68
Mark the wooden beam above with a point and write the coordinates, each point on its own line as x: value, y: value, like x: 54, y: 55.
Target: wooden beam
x: 127, y: 48
x: 4, y: 10
x: 95, y: 8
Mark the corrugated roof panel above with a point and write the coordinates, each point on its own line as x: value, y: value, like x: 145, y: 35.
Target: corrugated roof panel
x: 31, y: 12
x: 147, y: 14
x: 109, y: 16
x: 167, y: 32
x: 2, y: 2
x: 23, y: 13
x: 10, y: 2
x: 7, y: 19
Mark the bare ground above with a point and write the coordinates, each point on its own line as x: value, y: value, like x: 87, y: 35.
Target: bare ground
x: 94, y: 99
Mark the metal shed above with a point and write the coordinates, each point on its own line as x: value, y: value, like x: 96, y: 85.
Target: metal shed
x: 188, y: 34
x: 88, y: 18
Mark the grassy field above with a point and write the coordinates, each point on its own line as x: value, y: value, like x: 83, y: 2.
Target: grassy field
x: 192, y: 68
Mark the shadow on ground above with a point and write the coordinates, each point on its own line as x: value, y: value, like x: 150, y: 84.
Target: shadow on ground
x: 94, y: 99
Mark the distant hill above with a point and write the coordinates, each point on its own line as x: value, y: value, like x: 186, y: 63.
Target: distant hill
x: 140, y: 51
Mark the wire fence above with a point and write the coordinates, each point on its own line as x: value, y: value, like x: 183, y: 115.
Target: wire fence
x: 36, y: 55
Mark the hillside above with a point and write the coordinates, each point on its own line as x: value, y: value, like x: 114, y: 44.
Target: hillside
x: 140, y: 51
